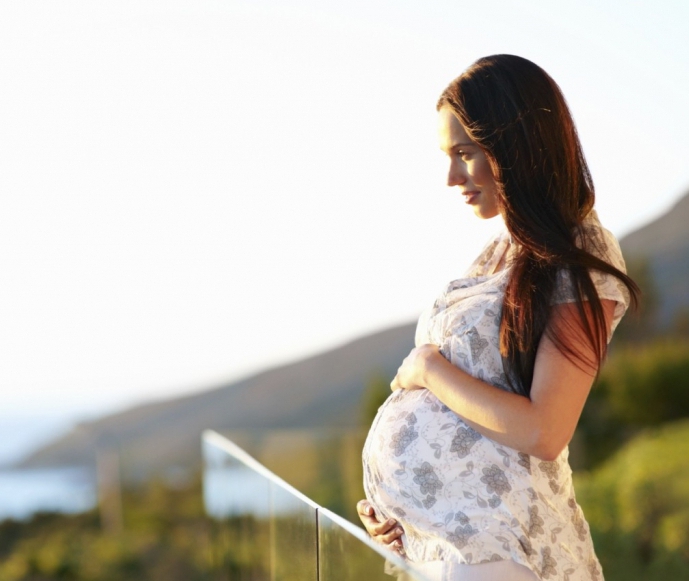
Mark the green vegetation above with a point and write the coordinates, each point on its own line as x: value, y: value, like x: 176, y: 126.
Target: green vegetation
x: 640, y: 386
x: 166, y: 537
x: 637, y: 504
x: 376, y: 392
x: 633, y: 438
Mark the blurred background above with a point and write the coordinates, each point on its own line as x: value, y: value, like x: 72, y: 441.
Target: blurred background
x: 229, y: 214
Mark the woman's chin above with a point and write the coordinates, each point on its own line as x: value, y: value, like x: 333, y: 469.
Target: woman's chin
x: 485, y: 213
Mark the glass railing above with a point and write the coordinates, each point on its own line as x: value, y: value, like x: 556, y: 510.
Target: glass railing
x: 264, y: 529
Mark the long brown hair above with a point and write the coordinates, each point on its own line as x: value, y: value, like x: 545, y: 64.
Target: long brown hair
x: 517, y: 114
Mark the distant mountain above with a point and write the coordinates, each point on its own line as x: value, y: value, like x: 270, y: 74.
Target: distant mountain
x: 664, y: 245
x: 323, y: 391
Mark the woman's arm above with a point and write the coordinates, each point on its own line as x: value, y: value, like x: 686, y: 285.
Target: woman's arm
x: 540, y: 426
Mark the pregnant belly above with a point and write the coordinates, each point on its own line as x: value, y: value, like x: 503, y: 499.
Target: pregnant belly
x: 418, y: 452
x: 423, y: 462
x: 454, y: 491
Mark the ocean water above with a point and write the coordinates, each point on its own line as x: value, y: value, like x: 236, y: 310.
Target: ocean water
x: 236, y: 490
x: 24, y: 492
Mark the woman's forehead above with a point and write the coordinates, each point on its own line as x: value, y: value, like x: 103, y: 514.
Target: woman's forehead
x: 451, y: 132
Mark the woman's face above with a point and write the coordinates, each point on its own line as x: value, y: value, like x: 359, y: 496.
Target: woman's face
x: 469, y: 167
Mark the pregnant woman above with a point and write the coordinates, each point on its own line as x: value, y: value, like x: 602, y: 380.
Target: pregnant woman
x: 466, y: 464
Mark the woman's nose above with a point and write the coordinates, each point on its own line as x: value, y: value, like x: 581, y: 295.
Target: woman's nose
x: 456, y: 175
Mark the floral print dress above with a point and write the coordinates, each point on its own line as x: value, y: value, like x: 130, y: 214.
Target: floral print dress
x: 460, y: 496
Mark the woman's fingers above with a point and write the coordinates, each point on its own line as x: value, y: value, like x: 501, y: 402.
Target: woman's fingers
x: 391, y: 536
x: 370, y: 524
x: 396, y: 547
x: 384, y: 527
x: 378, y: 529
x: 385, y: 532
x: 369, y: 520
x: 364, y: 508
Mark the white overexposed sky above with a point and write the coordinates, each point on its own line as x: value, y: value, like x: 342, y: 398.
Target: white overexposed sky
x: 193, y: 190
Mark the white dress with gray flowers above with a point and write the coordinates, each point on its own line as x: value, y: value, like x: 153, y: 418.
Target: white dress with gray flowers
x: 460, y: 496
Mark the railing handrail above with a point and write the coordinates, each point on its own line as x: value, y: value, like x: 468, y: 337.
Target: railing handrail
x: 214, y: 438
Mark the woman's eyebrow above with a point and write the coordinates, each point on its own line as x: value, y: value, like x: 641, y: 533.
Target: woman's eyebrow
x: 456, y: 145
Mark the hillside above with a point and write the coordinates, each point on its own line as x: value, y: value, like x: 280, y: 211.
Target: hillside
x: 323, y: 391
x: 664, y: 245
x: 665, y: 233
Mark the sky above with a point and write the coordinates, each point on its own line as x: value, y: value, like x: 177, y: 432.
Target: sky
x: 192, y: 191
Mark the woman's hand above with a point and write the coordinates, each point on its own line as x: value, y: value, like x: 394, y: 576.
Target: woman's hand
x: 412, y: 372
x: 387, y: 533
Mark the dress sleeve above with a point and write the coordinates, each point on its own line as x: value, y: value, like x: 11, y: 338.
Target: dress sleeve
x: 601, y: 243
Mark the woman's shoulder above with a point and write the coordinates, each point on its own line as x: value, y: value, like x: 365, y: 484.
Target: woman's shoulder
x: 599, y: 241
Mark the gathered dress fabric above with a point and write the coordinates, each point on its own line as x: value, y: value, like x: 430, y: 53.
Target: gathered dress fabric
x: 461, y: 497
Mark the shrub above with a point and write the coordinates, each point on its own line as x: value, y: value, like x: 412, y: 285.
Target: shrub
x: 637, y: 504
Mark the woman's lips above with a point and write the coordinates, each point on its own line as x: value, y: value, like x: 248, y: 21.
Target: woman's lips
x: 470, y: 197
